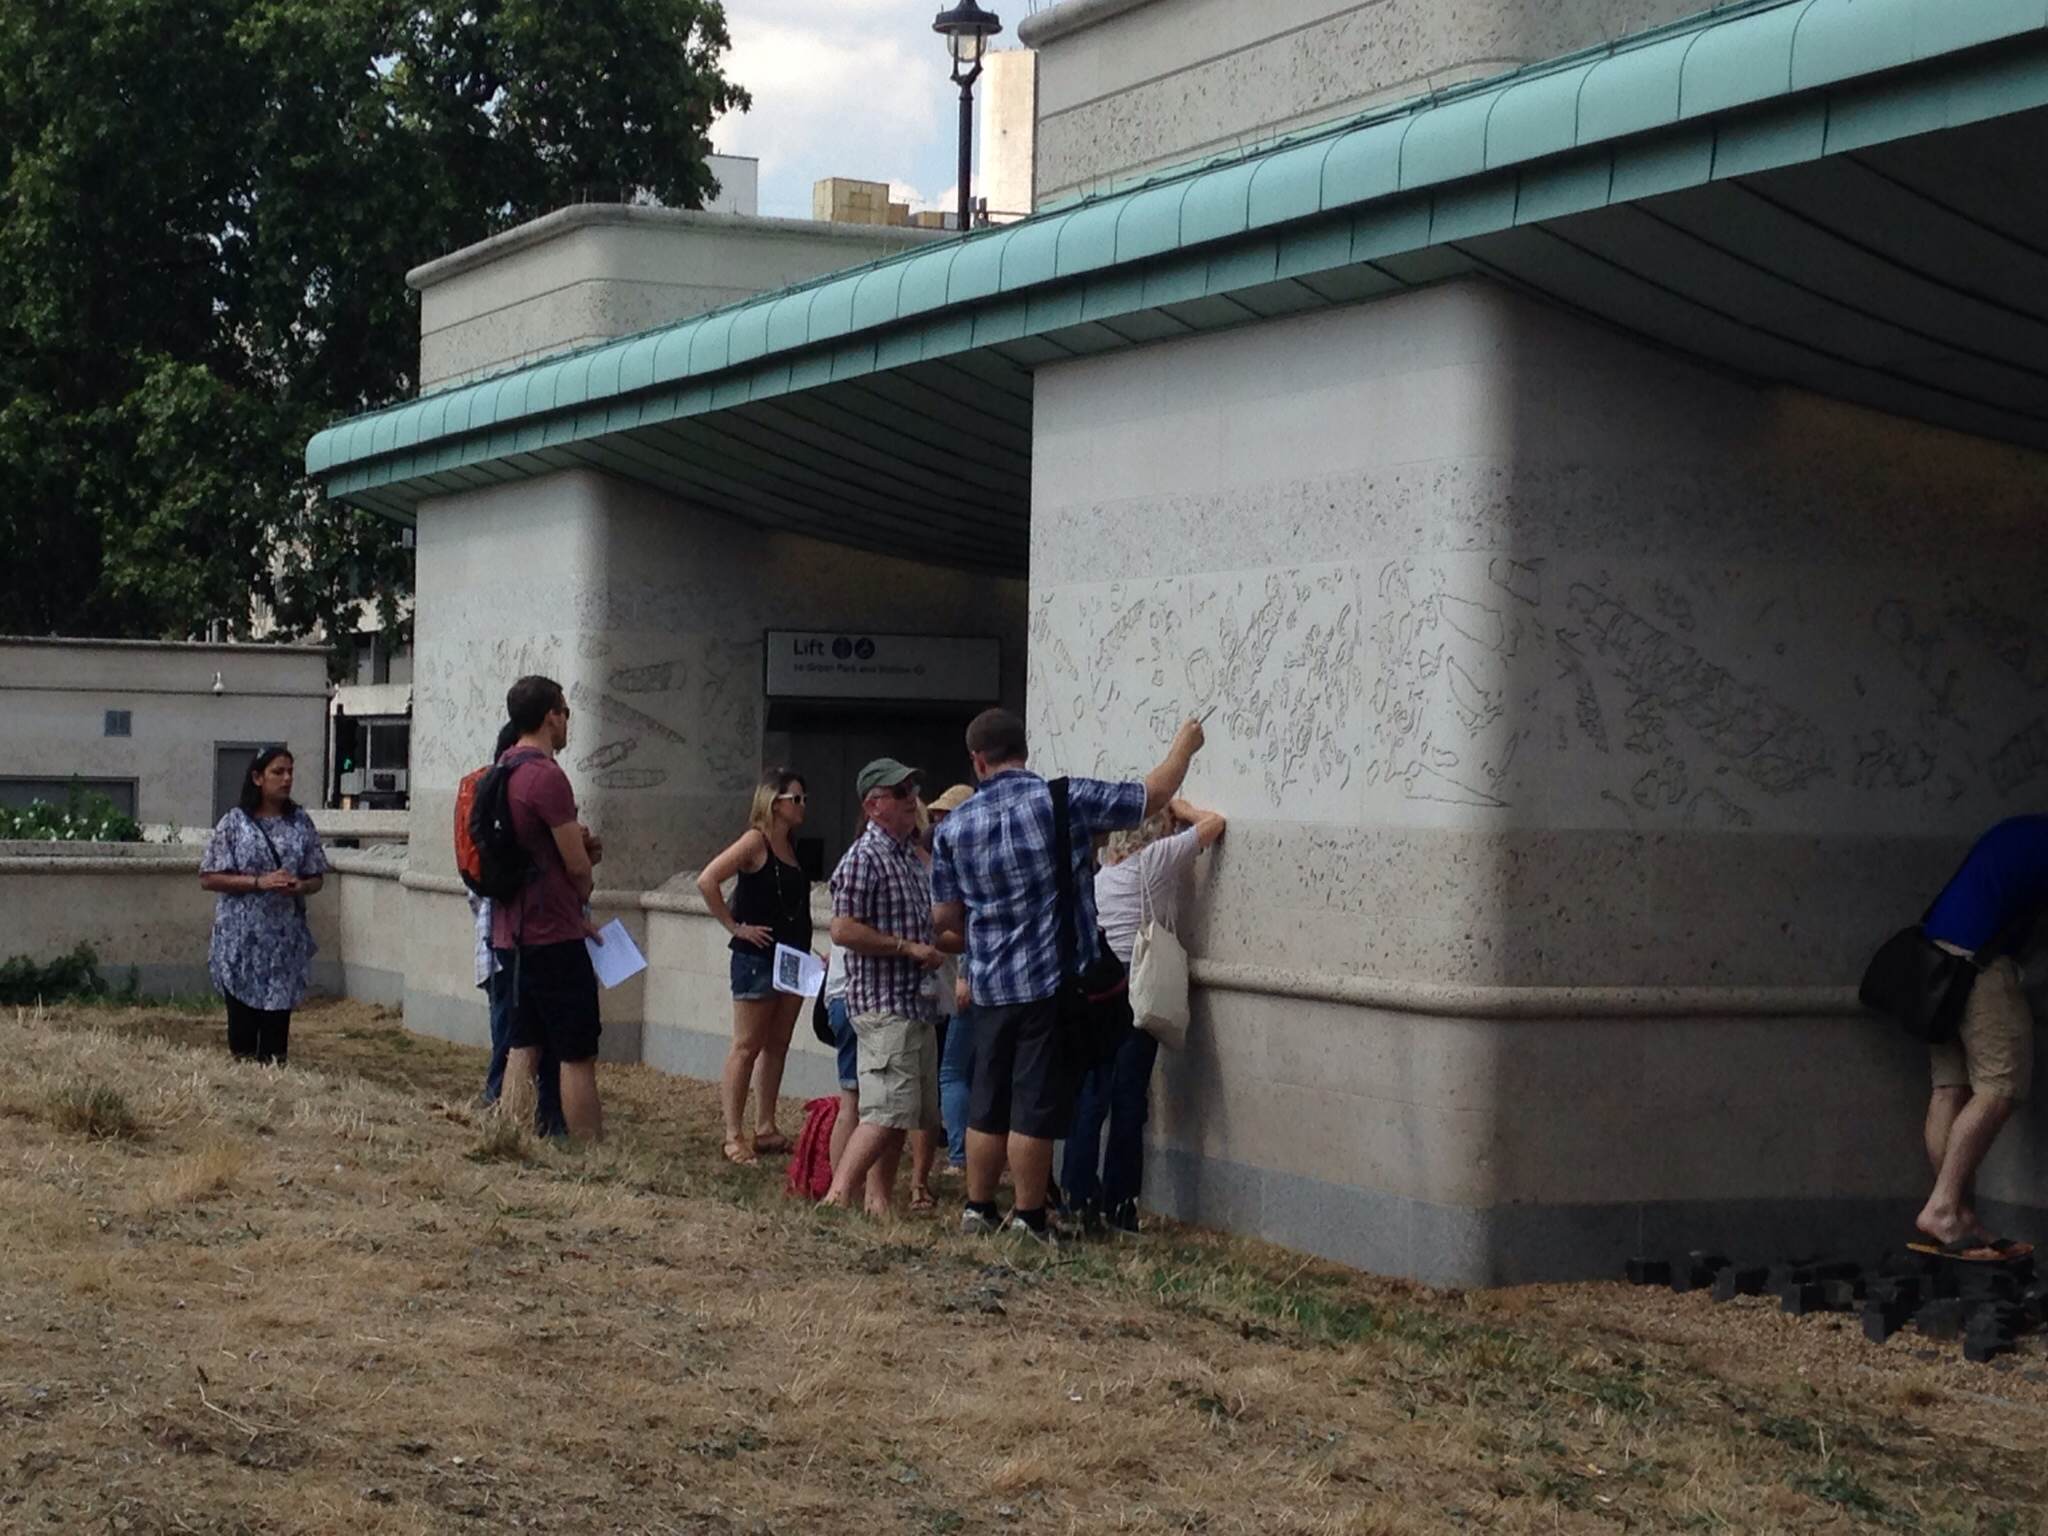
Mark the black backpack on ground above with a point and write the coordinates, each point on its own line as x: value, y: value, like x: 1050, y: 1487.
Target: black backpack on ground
x: 504, y: 867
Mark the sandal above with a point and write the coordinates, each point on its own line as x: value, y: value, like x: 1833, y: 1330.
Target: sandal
x: 770, y: 1143
x: 1974, y: 1250
x: 922, y: 1202
x: 740, y: 1154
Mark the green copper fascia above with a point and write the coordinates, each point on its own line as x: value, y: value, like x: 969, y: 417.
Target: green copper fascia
x: 1730, y: 93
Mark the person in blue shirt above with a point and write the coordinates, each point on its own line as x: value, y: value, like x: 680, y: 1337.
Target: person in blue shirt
x: 995, y: 884
x: 1988, y: 1067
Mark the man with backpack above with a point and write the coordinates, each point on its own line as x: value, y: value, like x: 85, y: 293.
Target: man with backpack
x: 535, y: 862
x: 494, y: 966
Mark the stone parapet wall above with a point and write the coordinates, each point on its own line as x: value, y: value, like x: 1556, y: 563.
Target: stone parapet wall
x: 1129, y: 86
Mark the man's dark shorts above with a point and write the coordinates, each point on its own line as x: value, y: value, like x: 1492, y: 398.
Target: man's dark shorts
x: 1022, y: 1082
x: 554, y: 1000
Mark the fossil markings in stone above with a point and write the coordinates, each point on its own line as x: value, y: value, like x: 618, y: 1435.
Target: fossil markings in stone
x: 2021, y: 759
x: 610, y: 755
x: 1774, y: 746
x: 631, y: 778
x: 655, y: 677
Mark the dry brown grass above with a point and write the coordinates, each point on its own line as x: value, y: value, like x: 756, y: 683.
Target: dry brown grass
x: 333, y: 1298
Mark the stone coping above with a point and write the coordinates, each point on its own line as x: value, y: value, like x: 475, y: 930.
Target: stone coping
x: 1471, y: 1000
x: 583, y: 215
x: 1070, y: 16
x: 123, y: 855
x: 236, y: 647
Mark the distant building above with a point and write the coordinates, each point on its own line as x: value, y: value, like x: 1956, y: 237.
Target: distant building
x: 1009, y: 107
x: 843, y: 200
x: 164, y: 729
x: 739, y: 185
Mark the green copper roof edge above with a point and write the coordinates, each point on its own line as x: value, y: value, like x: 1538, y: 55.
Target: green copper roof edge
x: 1910, y: 32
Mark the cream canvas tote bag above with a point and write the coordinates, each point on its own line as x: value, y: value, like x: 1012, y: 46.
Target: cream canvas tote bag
x: 1159, y: 980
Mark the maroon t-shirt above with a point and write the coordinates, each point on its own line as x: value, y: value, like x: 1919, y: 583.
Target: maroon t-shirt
x: 548, y: 910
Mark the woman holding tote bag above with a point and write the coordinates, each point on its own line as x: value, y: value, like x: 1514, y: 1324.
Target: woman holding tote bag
x: 1137, y: 900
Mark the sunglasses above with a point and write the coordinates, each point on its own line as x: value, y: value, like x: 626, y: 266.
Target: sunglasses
x: 799, y: 799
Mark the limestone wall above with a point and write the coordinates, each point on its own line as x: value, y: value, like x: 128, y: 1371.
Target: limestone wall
x: 1131, y: 85
x: 598, y: 270
x: 652, y: 615
x: 1584, y: 718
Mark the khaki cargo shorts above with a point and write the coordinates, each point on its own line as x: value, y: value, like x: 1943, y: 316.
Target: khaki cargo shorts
x: 899, y: 1071
x: 1993, y: 1051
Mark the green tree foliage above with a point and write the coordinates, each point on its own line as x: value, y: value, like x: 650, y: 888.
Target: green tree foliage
x: 207, y: 210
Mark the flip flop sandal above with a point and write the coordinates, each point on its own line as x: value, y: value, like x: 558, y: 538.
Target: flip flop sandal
x: 1972, y: 1250
x: 922, y: 1201
x: 740, y: 1155
x: 770, y: 1144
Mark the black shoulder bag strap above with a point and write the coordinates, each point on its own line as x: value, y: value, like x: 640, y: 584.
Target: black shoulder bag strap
x: 1063, y: 877
x: 298, y: 902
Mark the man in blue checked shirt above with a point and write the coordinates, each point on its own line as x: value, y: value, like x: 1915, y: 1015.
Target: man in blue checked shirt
x: 995, y: 883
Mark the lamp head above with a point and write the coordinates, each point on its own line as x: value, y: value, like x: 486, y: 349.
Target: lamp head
x: 966, y: 28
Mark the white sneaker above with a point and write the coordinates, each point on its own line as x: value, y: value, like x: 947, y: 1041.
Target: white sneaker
x: 974, y: 1224
x: 1017, y: 1226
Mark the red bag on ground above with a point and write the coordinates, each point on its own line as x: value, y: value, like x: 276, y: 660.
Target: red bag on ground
x: 810, y: 1165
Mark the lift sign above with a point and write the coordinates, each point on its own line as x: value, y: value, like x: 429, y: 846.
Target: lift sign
x: 820, y: 664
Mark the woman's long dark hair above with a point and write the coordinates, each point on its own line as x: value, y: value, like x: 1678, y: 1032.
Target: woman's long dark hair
x: 252, y: 796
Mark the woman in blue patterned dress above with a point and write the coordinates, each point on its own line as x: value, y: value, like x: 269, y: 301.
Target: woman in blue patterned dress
x: 263, y: 861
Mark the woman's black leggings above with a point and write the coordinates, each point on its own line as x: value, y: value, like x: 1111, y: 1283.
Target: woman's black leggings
x: 259, y: 1032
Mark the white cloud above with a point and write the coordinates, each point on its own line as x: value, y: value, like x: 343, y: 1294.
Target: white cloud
x: 841, y: 88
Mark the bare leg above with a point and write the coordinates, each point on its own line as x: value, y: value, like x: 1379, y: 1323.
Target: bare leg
x: 842, y: 1128
x: 580, y: 1106
x: 522, y: 1084
x: 752, y: 1020
x: 1942, y: 1110
x: 985, y: 1156
x: 1030, y: 1169
x: 924, y: 1151
x: 881, y: 1180
x: 774, y: 1056
x: 869, y: 1144
x: 1947, y: 1215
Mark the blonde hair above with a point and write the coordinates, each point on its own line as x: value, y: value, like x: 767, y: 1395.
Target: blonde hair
x: 1119, y: 846
x: 774, y: 784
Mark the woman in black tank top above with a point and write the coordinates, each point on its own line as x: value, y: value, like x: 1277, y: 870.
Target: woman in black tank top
x: 771, y: 904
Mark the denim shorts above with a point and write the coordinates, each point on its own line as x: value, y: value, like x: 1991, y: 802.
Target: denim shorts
x: 753, y: 974
x: 847, y: 1044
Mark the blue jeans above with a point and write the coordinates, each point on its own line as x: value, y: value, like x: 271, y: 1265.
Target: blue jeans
x: 956, y: 1081
x: 844, y: 1044
x: 1119, y: 1092
x: 547, y: 1117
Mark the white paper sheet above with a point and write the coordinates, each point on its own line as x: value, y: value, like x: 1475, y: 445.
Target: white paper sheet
x: 798, y: 971
x: 618, y: 958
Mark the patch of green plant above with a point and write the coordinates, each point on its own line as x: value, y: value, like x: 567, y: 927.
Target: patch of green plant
x: 74, y: 977
x: 84, y: 816
x: 1837, y: 1484
x: 95, y: 1110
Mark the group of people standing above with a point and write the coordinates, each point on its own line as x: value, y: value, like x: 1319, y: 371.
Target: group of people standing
x: 946, y: 958
x: 947, y: 961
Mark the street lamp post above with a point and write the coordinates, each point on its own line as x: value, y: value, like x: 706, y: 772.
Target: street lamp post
x: 966, y: 28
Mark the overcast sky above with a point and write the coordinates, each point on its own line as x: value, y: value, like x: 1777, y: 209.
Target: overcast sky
x: 846, y: 88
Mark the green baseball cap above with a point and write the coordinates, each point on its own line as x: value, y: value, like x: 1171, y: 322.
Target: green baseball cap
x: 882, y: 773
